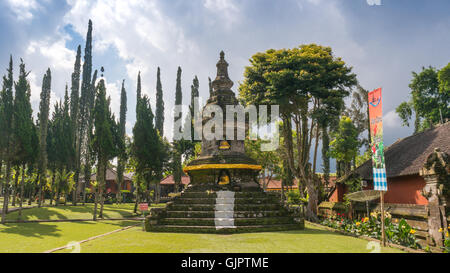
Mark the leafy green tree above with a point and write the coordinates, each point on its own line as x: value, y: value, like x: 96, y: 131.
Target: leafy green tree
x: 148, y: 149
x: 159, y: 115
x: 6, y: 132
x: 429, y: 102
x: 269, y: 160
x: 304, y: 81
x: 444, y: 92
x: 344, y: 146
x: 104, y: 141
x: 122, y: 158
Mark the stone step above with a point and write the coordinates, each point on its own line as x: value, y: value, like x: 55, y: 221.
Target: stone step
x: 226, y: 221
x: 263, y: 200
x: 237, y: 214
x: 212, y: 207
x: 204, y: 194
x: 213, y: 229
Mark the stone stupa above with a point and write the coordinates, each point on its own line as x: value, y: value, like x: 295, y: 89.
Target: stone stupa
x: 224, y: 195
x: 223, y: 163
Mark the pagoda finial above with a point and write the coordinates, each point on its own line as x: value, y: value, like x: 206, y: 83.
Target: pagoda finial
x: 222, y: 81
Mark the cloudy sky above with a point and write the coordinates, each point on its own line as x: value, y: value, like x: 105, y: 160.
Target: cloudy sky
x: 383, y: 40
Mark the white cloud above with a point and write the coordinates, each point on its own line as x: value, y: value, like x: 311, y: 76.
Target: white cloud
x: 48, y: 53
x: 23, y: 9
x: 143, y: 38
x: 392, y: 120
x: 226, y: 12
x: 113, y: 91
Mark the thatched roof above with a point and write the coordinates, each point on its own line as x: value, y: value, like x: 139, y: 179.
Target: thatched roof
x: 407, y: 156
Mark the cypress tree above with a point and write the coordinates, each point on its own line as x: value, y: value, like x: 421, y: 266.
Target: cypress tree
x: 44, y: 107
x: 147, y: 149
x: 159, y: 115
x: 103, y: 142
x: 138, y: 91
x: 89, y: 154
x: 84, y: 107
x: 189, y: 145
x: 210, y: 86
x: 74, y: 115
x: 22, y: 126
x: 6, y: 131
x: 177, y: 145
x: 122, y: 153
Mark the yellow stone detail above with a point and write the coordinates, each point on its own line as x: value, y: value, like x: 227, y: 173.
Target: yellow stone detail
x: 222, y: 166
x: 224, y: 145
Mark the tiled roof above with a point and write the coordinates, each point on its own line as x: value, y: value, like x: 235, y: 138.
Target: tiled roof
x: 407, y: 156
x: 168, y: 180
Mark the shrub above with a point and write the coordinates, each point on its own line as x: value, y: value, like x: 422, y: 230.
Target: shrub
x: 401, y: 233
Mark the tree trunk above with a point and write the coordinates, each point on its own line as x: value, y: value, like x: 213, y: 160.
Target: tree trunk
x: 6, y: 190
x: 102, y: 186
x: 315, y: 149
x: 101, y: 173
x: 16, y: 182
x: 52, y: 194
x: 95, y: 205
x: 41, y: 179
x: 136, y: 201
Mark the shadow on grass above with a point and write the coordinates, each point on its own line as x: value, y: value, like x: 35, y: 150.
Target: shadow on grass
x: 43, y: 213
x: 39, y: 230
x: 36, y: 230
x: 62, y: 212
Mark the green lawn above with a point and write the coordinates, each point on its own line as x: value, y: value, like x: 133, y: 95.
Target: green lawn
x: 312, y: 239
x: 24, y: 204
x: 39, y: 237
x: 74, y: 212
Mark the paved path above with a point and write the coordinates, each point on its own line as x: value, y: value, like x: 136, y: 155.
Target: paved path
x: 76, y: 245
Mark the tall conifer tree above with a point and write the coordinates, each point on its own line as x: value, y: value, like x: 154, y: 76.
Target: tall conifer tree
x: 104, y: 141
x: 44, y: 108
x: 121, y: 162
x: 159, y: 115
x: 177, y: 145
x: 22, y: 126
x: 7, y: 132
x: 84, y: 105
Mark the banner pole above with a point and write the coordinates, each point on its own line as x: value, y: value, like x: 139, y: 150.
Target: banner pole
x: 383, y: 234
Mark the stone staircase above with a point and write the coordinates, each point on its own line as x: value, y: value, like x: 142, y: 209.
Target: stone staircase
x: 223, y: 211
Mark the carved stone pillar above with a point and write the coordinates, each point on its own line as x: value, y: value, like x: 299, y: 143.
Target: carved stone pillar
x: 435, y: 172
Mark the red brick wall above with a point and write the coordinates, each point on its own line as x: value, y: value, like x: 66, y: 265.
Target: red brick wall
x: 406, y: 190
x: 401, y: 190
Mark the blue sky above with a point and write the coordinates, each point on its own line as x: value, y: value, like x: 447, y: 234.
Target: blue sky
x: 383, y: 43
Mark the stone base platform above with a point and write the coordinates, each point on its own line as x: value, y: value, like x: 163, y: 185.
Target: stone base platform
x: 221, y: 211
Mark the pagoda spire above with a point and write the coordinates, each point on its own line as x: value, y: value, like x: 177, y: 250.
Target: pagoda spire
x: 222, y: 81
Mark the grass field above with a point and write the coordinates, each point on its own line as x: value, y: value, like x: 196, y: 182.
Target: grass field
x: 39, y: 237
x: 74, y: 212
x: 310, y: 240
